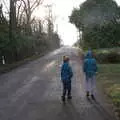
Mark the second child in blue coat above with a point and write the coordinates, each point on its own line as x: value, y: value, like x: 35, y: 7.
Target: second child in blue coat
x: 66, y: 76
x: 90, y: 69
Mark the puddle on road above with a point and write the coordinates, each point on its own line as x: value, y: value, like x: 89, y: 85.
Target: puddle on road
x: 49, y: 66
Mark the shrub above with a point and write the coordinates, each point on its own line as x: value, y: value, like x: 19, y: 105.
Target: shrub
x: 111, y: 57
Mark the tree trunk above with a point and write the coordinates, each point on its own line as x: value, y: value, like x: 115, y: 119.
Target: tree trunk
x: 12, y: 24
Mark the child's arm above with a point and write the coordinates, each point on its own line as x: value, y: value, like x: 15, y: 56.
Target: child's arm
x: 84, y: 66
x: 95, y: 66
x: 71, y: 72
x: 61, y: 71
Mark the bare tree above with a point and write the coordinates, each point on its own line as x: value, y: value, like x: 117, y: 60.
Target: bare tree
x: 2, y: 18
x: 25, y: 9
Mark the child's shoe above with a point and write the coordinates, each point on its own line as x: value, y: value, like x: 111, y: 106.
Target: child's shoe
x: 69, y: 97
x: 63, y: 98
x: 92, y: 96
x: 87, y: 94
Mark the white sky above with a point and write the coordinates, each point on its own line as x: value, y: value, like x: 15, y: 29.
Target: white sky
x: 61, y: 10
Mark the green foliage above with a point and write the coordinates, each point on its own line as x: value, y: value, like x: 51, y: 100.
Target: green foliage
x: 97, y: 19
x: 75, y: 18
x: 105, y: 37
x: 22, y: 45
x: 107, y: 56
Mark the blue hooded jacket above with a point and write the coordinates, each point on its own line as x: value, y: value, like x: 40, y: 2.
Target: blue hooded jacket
x: 66, y: 72
x: 90, y: 66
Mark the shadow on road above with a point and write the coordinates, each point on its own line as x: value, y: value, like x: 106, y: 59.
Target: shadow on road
x: 101, y: 109
x: 70, y: 112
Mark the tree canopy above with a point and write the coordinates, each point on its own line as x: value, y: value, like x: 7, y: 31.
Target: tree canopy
x: 99, y: 22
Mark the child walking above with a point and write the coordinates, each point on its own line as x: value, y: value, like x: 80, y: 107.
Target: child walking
x: 90, y: 69
x: 66, y: 75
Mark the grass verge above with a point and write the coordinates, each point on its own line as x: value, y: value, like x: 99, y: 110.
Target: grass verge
x: 109, y: 78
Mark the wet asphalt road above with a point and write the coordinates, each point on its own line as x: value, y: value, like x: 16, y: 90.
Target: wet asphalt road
x: 33, y: 92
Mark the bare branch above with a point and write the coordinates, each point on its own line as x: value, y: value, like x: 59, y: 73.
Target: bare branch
x: 18, y: 11
x: 5, y: 4
x: 27, y: 7
x: 35, y: 4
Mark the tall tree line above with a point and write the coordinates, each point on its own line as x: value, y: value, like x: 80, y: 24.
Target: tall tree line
x: 99, y: 22
x: 22, y: 35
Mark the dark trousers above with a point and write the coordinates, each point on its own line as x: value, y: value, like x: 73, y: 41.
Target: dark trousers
x: 66, y: 88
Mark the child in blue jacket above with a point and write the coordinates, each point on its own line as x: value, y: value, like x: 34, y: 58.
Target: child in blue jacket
x: 66, y: 75
x: 90, y: 69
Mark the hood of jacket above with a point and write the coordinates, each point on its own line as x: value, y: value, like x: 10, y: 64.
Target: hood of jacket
x: 89, y: 54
